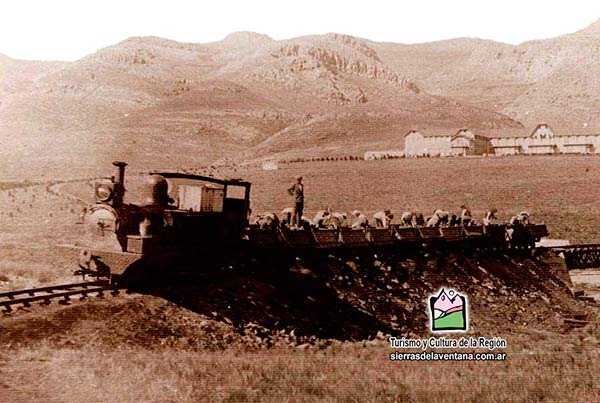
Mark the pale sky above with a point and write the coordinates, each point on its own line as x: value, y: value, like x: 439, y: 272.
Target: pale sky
x: 70, y: 29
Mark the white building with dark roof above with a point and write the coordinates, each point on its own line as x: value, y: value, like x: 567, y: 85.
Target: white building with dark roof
x: 544, y: 140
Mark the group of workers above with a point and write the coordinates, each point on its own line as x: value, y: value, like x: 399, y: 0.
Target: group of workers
x: 292, y: 217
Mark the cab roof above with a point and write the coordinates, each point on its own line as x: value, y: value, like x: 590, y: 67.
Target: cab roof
x: 225, y: 182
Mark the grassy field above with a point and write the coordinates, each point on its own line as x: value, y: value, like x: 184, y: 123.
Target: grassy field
x: 560, y: 191
x: 546, y: 372
x: 541, y: 366
x: 32, y: 222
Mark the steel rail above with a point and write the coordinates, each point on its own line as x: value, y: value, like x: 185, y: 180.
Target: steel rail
x: 45, y: 295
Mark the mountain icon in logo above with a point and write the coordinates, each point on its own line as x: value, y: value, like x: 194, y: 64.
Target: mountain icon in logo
x: 448, y: 311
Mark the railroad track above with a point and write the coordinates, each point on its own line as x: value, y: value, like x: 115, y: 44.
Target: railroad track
x: 63, y: 293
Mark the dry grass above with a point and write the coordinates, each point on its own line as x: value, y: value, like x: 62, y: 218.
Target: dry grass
x: 350, y: 373
x: 33, y: 221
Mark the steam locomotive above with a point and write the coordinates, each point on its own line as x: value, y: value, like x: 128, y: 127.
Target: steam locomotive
x: 178, y: 216
x: 184, y: 218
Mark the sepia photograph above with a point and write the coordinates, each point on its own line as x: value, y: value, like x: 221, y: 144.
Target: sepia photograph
x: 299, y: 201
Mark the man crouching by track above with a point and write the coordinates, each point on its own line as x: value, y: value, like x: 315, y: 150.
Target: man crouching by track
x: 412, y: 219
x: 337, y: 220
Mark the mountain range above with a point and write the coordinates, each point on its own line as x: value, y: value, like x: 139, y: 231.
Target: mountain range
x: 164, y: 104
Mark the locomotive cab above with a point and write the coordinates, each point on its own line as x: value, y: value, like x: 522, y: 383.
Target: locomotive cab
x: 204, y: 212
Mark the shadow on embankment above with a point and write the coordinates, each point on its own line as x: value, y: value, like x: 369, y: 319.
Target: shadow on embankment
x: 349, y: 297
x: 275, y: 292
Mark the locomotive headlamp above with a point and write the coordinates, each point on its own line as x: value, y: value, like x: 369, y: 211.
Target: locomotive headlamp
x: 103, y: 193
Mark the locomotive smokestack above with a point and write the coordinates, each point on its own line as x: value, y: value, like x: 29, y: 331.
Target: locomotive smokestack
x: 120, y: 176
x: 119, y: 182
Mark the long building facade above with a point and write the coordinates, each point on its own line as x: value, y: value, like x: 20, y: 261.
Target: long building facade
x: 444, y: 144
x: 464, y: 142
x: 544, y: 141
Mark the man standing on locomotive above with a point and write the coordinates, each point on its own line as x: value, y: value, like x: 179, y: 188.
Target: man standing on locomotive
x: 297, y: 192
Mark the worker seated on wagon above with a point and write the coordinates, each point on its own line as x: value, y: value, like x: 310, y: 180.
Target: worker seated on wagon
x: 383, y: 219
x: 286, y: 216
x: 513, y: 224
x: 360, y: 220
x: 337, y: 220
x: 321, y: 218
x: 517, y: 222
x: 465, y: 216
x: 489, y: 218
x: 524, y: 218
x: 438, y: 219
x: 267, y: 220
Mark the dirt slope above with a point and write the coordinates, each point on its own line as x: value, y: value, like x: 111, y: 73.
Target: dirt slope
x: 258, y: 303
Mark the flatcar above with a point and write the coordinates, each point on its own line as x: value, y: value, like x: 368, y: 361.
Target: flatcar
x: 399, y: 238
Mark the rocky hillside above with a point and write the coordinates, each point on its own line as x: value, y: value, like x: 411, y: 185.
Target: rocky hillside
x: 165, y: 103
x: 532, y: 82
x: 162, y: 103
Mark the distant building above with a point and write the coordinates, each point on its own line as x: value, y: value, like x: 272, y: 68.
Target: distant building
x: 508, y: 141
x: 465, y: 143
x: 445, y: 142
x: 269, y: 166
x: 543, y: 140
x: 427, y: 143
